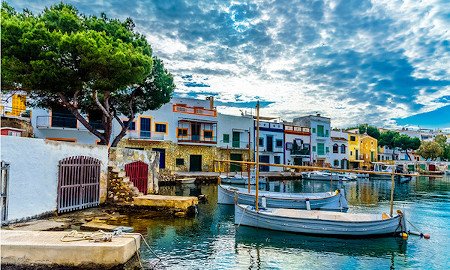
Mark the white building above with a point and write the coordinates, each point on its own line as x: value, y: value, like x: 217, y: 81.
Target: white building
x: 235, y: 138
x: 271, y: 143
x: 320, y: 136
x: 339, y: 150
x: 297, y: 144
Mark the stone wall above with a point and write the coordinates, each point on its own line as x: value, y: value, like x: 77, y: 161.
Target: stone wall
x: 119, y: 157
x: 20, y: 123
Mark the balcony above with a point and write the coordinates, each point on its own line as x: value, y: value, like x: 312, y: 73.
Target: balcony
x: 63, y: 122
x: 197, y: 139
x: 182, y: 108
x: 146, y: 135
x: 300, y: 152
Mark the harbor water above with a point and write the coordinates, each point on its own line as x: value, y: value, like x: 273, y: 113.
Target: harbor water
x: 212, y: 240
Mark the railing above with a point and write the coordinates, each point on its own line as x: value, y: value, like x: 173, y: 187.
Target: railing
x: 305, y: 130
x: 194, y: 110
x: 14, y: 111
x: 197, y: 139
x: 301, y: 151
x: 146, y: 135
x: 64, y: 122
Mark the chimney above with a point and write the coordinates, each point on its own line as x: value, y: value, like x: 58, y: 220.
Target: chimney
x: 211, y: 102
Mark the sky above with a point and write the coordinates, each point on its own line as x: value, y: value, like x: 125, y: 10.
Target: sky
x: 382, y: 62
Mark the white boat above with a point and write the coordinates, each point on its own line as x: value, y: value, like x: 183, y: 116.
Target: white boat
x: 334, y: 201
x: 240, y: 180
x: 326, y: 176
x: 320, y: 222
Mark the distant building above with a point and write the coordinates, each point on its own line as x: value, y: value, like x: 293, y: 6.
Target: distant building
x: 320, y: 137
x: 297, y: 148
x: 339, y: 150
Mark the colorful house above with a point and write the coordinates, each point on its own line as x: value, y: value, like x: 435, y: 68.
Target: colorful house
x: 339, y: 150
x: 320, y: 137
x: 355, y: 157
x: 369, y: 150
x: 270, y: 143
x: 235, y: 139
x: 297, y: 148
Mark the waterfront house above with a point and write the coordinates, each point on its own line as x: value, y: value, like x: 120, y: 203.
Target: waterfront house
x: 339, y: 150
x: 354, y: 152
x: 234, y: 139
x: 183, y: 131
x: 369, y: 150
x: 297, y: 147
x: 270, y: 142
x: 320, y: 137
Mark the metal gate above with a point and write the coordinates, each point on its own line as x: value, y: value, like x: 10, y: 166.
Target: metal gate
x: 78, y: 183
x: 138, y: 173
x: 4, y: 192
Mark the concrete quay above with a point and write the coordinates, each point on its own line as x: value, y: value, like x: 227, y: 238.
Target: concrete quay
x: 183, y: 205
x: 43, y: 249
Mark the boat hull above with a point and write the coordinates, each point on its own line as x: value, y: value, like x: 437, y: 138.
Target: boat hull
x: 238, y: 181
x: 325, y: 201
x: 264, y: 218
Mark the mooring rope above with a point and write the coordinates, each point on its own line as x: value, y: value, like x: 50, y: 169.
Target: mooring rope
x: 101, y: 236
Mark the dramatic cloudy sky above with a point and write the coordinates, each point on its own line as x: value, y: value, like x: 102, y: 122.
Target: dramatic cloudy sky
x: 384, y: 62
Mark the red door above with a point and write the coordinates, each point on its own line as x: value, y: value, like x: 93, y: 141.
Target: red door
x: 138, y: 173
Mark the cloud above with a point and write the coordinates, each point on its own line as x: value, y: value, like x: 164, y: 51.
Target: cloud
x: 353, y: 60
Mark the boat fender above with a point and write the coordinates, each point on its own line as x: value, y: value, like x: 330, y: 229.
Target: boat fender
x: 426, y: 236
x: 404, y: 235
x: 308, y: 204
x: 263, y: 202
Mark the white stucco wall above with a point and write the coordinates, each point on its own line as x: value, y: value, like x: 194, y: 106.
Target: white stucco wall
x: 229, y: 123
x: 33, y: 173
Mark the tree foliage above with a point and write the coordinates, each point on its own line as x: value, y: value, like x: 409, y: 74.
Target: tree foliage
x: 82, y: 63
x: 430, y: 150
x: 442, y: 141
x: 394, y: 139
x: 370, y: 130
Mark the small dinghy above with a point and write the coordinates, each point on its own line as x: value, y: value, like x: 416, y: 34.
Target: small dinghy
x: 238, y: 180
x: 333, y: 201
x: 327, y: 176
x: 320, y: 222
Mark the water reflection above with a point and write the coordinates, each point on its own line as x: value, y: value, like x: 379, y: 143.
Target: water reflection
x: 212, y: 241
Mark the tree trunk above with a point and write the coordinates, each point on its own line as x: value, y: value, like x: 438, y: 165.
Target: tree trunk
x: 123, y: 131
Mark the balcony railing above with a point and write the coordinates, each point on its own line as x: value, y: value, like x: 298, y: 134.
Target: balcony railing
x: 300, y: 152
x: 295, y: 129
x: 64, y: 122
x: 181, y: 108
x: 146, y: 135
x: 197, y: 139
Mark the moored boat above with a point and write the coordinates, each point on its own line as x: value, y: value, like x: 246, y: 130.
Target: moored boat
x: 333, y: 201
x: 320, y: 222
x: 239, y: 180
x: 327, y: 176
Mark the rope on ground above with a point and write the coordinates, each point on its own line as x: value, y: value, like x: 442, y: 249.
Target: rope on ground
x: 101, y: 236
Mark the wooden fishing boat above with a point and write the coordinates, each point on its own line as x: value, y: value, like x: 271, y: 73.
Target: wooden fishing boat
x: 238, y: 180
x: 326, y: 176
x: 320, y: 222
x: 186, y: 180
x: 334, y: 201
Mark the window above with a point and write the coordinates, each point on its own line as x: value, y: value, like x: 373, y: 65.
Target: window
x: 343, y: 149
x: 182, y: 132
x: 327, y: 149
x: 314, y: 148
x: 276, y: 159
x: 236, y: 139
x: 145, y: 127
x: 261, y: 141
x: 226, y: 138
x: 314, y: 130
x: 352, y: 138
x: 320, y: 131
x: 335, y: 148
x: 321, y: 149
x: 160, y: 127
x: 336, y: 163
x: 327, y: 133
x: 208, y: 134
x: 351, y: 153
x: 132, y: 125
x: 279, y: 143
x: 14, y: 133
x: 179, y: 161
x: 62, y: 117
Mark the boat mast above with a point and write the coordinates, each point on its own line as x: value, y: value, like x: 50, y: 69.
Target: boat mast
x: 249, y: 159
x: 257, y: 156
x: 392, y: 193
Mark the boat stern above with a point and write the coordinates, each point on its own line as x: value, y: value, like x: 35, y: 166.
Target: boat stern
x: 225, y: 196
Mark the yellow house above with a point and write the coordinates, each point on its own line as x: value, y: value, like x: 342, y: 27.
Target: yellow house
x: 354, y: 151
x: 369, y: 150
